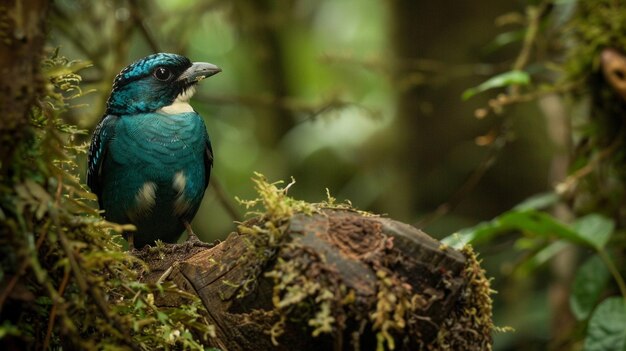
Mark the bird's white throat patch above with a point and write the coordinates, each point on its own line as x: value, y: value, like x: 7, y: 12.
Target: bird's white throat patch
x: 181, y: 103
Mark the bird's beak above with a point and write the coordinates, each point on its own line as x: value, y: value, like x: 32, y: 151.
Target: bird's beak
x: 198, y: 71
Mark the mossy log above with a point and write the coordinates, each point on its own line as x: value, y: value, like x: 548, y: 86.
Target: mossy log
x: 337, y: 280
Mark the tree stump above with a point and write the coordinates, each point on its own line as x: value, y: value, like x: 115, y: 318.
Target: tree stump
x: 337, y: 279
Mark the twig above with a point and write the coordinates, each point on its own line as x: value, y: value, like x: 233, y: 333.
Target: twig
x: 140, y: 22
x: 497, y: 104
x: 589, y: 167
x: 22, y: 269
x: 58, y: 194
x: 473, y: 179
x: 412, y: 65
x: 75, y: 36
x: 310, y: 110
x: 192, y: 13
x: 225, y: 200
x: 53, y: 310
x: 535, y: 14
x: 529, y: 38
x: 621, y: 284
x: 165, y: 274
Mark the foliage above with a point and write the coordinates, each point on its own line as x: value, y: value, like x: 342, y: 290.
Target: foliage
x: 595, y: 188
x: 271, y: 58
x: 598, y: 179
x: 606, y: 327
x: 69, y: 283
x: 501, y: 80
x: 588, y: 286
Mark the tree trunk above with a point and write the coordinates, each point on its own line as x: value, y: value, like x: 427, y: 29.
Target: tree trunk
x: 381, y: 279
x: 22, y: 36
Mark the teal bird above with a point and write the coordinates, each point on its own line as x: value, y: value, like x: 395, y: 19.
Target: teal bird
x: 150, y: 157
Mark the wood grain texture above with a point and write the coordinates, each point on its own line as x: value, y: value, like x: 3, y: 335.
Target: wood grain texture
x: 342, y: 247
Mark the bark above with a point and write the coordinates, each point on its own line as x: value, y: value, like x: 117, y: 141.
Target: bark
x: 22, y: 36
x: 342, y: 250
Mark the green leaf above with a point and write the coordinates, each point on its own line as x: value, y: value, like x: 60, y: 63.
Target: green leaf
x: 591, y: 278
x: 538, y: 223
x: 162, y: 317
x: 538, y: 202
x: 499, y: 81
x: 541, y: 257
x: 595, y: 229
x: 607, y: 327
x: 504, y: 39
x: 7, y: 329
x: 482, y: 232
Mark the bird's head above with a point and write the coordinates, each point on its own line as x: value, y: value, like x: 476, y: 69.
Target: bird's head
x: 156, y: 81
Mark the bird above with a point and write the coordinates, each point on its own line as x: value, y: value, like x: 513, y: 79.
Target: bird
x: 150, y: 157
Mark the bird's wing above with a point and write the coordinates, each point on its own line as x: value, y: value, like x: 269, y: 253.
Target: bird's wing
x: 208, y: 160
x: 97, y: 152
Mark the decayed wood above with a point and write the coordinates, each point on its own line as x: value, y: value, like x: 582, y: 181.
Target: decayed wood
x: 349, y: 249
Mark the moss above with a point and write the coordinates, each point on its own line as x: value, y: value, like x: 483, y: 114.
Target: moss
x: 308, y: 290
x: 469, y: 326
x: 69, y: 284
x: 600, y: 151
x: 304, y: 285
x: 392, y: 309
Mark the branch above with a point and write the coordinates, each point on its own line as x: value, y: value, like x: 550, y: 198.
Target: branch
x: 140, y: 23
x: 224, y: 200
x: 497, y: 144
x: 310, y: 111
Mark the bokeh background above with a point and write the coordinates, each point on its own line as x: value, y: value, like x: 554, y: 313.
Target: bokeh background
x: 362, y: 97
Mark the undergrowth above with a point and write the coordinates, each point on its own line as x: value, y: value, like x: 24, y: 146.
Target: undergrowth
x: 67, y: 283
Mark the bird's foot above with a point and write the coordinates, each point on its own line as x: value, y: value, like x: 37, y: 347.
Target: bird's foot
x: 192, y: 239
x: 193, y: 242
x: 130, y: 237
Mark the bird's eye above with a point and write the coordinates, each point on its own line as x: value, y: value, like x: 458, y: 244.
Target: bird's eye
x: 162, y: 73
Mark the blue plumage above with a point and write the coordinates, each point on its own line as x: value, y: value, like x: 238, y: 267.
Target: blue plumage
x: 150, y: 157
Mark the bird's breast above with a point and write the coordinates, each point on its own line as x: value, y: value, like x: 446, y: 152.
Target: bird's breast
x: 156, y: 159
x: 165, y: 141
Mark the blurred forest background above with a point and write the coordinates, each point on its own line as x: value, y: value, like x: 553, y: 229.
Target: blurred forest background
x: 362, y: 97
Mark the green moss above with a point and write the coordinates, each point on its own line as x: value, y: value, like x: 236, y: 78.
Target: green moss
x: 303, y: 284
x: 71, y: 285
x: 308, y: 291
x: 600, y: 150
x: 469, y: 327
x: 392, y: 307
